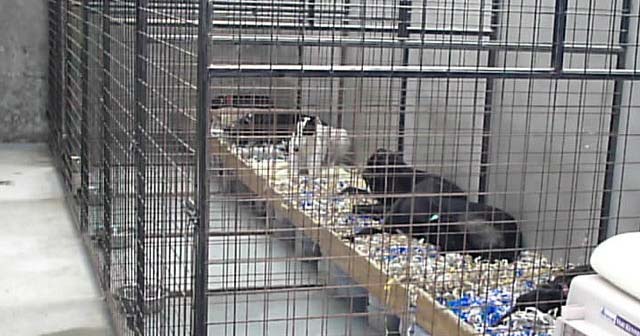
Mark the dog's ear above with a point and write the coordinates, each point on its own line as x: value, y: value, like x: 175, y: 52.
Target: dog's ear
x: 309, y: 125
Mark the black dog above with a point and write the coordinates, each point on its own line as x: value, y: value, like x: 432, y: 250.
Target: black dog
x: 446, y: 218
x: 457, y: 225
x: 551, y: 295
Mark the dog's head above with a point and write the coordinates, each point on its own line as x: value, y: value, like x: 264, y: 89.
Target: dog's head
x: 382, y: 158
x: 382, y: 167
x: 307, y: 126
x: 383, y: 162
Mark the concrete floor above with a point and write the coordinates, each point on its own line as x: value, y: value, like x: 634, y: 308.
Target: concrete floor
x: 46, y: 282
x: 47, y: 285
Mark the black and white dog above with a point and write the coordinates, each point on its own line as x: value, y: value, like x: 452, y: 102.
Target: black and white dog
x: 311, y: 142
x: 317, y: 144
x: 427, y: 205
x: 262, y: 127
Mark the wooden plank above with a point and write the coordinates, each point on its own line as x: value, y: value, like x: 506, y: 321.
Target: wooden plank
x: 430, y: 315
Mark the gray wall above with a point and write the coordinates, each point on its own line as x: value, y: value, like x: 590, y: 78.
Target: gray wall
x: 23, y: 67
x: 549, y: 138
x: 626, y: 194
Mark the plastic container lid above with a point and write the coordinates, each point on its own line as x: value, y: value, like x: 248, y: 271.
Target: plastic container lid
x: 616, y: 259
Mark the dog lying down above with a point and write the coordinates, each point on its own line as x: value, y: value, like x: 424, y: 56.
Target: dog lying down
x: 446, y: 218
x: 549, y: 296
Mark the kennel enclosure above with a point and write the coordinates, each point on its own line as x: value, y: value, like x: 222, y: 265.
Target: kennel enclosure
x: 527, y: 107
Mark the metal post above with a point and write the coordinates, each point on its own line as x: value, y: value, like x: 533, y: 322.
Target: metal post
x: 488, y: 105
x: 404, y: 19
x: 106, y: 137
x: 140, y: 93
x: 59, y: 105
x: 202, y: 124
x: 343, y: 60
x: 559, y: 29
x: 312, y: 13
x: 614, y: 124
x: 63, y: 76
x: 413, y: 43
x: 300, y: 46
x: 413, y: 71
x: 84, y: 113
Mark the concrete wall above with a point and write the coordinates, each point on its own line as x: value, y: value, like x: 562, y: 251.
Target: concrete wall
x: 23, y: 70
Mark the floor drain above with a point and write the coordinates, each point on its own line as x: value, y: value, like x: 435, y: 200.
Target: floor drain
x: 5, y: 182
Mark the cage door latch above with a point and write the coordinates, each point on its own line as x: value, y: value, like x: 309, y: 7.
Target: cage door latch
x: 189, y: 207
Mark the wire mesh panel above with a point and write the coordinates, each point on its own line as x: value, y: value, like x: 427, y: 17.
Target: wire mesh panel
x: 151, y: 94
x: 429, y: 166
x: 73, y: 85
x: 55, y: 73
x: 353, y: 167
x: 124, y: 120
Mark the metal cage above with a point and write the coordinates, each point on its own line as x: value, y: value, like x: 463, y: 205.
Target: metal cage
x: 348, y: 167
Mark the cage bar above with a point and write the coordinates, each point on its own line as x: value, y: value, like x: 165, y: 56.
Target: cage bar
x: 202, y: 246
x: 614, y: 126
x: 246, y: 70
